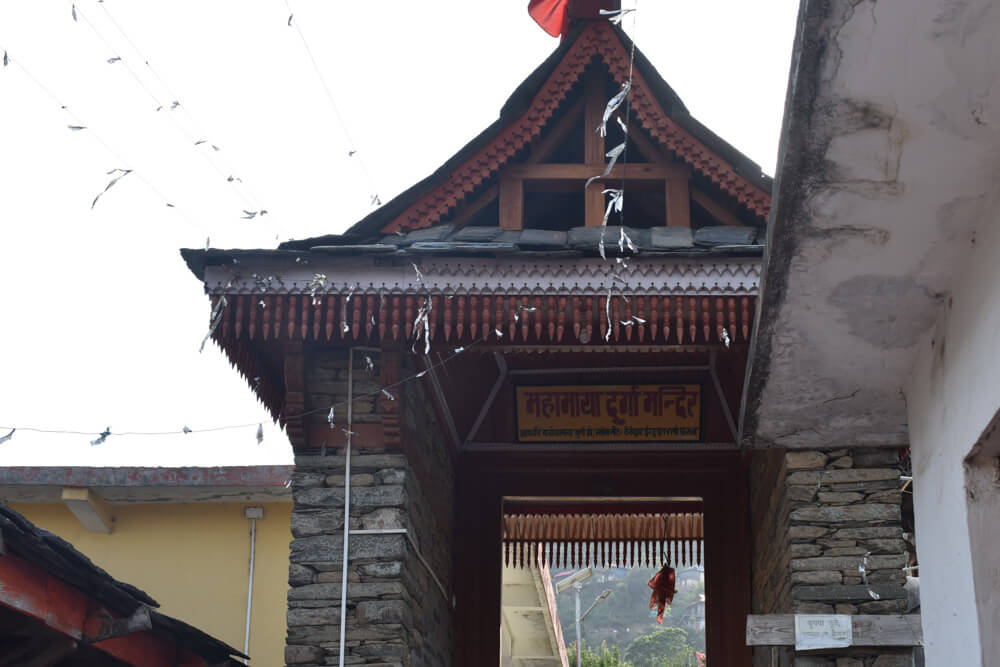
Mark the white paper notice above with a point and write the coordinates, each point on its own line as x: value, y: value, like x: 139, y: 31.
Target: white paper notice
x: 815, y: 631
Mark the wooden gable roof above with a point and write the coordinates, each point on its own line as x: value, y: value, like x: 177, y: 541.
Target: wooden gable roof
x: 529, y: 114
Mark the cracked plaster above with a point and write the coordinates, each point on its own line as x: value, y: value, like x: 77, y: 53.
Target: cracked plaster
x: 889, y: 148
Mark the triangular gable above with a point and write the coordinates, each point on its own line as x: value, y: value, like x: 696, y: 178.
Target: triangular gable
x: 430, y: 202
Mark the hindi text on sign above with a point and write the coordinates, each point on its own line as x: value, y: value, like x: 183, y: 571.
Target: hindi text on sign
x: 609, y: 413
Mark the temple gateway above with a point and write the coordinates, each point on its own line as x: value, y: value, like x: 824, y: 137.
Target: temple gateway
x: 535, y: 358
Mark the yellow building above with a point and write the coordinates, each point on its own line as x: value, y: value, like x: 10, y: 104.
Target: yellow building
x: 181, y: 534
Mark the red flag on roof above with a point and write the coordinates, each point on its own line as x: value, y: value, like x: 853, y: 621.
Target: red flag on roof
x: 551, y: 15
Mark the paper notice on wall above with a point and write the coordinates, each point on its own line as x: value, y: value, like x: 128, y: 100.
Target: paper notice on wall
x: 817, y: 631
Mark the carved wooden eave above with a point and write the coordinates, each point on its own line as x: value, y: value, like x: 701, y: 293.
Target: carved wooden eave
x: 505, y: 302
x: 273, y: 308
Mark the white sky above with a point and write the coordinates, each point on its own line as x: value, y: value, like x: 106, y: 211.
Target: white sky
x: 100, y: 321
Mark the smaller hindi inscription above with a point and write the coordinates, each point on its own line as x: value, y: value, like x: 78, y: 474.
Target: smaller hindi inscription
x: 816, y: 631
x: 609, y: 413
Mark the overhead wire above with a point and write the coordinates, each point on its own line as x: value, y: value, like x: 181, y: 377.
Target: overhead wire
x: 170, y: 104
x: 198, y: 127
x: 338, y: 404
x: 82, y: 125
x: 352, y: 146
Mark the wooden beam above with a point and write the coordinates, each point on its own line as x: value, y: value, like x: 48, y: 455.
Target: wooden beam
x: 554, y: 136
x: 511, y: 202
x: 581, y: 172
x: 594, y: 105
x: 593, y: 205
x: 678, y: 193
x: 868, y: 630
x: 714, y: 209
x: 469, y: 211
x: 89, y: 508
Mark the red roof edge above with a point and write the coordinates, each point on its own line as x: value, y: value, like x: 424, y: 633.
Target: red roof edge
x: 124, y: 477
x: 29, y: 590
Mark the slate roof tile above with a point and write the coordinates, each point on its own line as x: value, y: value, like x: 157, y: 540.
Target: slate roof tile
x: 725, y: 236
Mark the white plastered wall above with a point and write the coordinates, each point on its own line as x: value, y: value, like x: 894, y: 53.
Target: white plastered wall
x: 952, y: 397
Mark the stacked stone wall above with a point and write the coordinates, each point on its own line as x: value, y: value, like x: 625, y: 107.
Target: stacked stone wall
x: 771, y: 588
x: 828, y: 538
x: 397, y: 616
x: 431, y: 488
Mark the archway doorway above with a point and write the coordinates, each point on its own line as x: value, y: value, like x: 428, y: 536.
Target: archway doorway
x: 489, y: 479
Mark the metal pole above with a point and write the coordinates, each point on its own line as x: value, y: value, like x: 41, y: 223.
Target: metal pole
x: 253, y: 544
x: 579, y: 637
x: 347, y: 503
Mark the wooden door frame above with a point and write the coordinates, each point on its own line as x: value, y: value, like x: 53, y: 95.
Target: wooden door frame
x: 484, y: 479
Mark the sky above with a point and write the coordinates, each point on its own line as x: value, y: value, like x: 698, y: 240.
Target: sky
x: 101, y: 321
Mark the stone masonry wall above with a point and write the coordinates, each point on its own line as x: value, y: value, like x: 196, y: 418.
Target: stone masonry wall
x: 771, y: 588
x: 430, y: 487
x: 396, y: 614
x: 833, y: 512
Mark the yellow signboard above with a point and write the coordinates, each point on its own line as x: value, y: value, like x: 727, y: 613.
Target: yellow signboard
x: 609, y: 413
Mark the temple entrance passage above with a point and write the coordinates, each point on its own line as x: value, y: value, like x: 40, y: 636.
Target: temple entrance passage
x: 615, y: 580
x: 539, y: 532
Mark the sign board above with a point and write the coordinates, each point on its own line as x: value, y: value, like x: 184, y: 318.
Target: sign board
x: 816, y: 631
x: 609, y: 413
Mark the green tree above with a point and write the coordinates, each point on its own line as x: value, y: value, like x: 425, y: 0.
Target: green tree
x: 602, y: 657
x: 666, y: 647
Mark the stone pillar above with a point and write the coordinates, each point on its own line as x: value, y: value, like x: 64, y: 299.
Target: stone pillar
x: 820, y: 517
x: 397, y: 614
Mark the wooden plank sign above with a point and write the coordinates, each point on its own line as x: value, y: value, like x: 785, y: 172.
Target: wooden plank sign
x: 866, y: 630
x: 609, y: 413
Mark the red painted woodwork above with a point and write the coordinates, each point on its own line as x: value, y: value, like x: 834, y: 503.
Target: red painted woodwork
x: 356, y: 319
x: 279, y: 310
x: 474, y: 317
x: 30, y: 590
x: 395, y: 318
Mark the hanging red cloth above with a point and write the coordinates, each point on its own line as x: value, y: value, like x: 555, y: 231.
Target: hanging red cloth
x: 551, y: 15
x: 664, y: 586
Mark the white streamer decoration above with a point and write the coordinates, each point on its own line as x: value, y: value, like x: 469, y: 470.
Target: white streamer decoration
x: 422, y: 325
x: 612, y: 106
x: 615, y: 16
x: 8, y: 436
x: 612, y: 156
x: 260, y: 434
x: 347, y: 302
x: 123, y: 174
x: 99, y: 440
x: 607, y: 312
x: 214, y: 321
x: 316, y: 284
